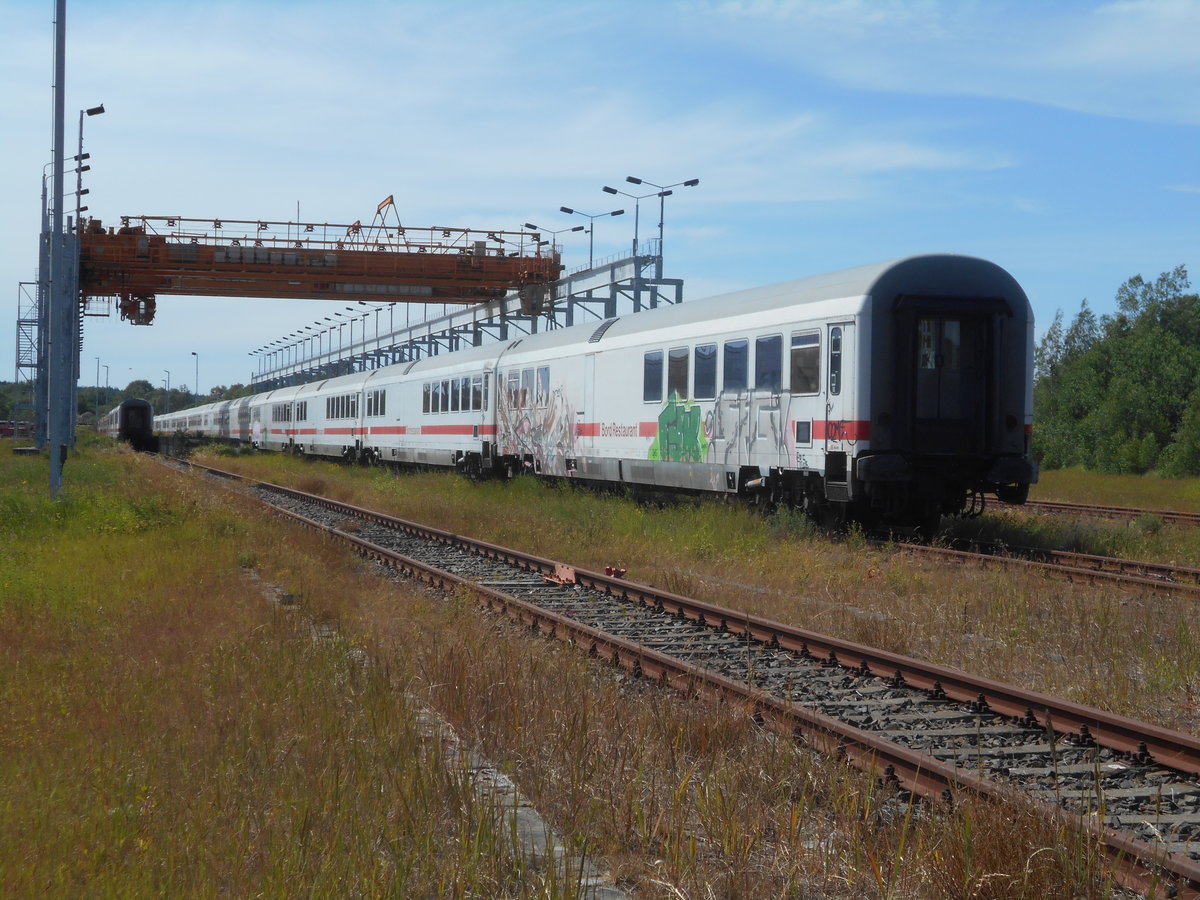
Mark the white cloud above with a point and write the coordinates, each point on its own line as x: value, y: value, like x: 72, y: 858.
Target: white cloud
x: 1133, y: 59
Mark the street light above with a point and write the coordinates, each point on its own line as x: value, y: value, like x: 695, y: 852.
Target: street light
x: 592, y: 222
x: 637, y: 200
x: 196, y: 388
x: 663, y: 193
x: 167, y: 397
x: 80, y: 168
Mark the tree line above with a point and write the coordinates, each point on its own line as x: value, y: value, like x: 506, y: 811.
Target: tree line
x: 16, y: 398
x: 1121, y: 393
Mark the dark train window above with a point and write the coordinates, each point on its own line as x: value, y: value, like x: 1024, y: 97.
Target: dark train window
x: 301, y: 411
x: 677, y: 372
x: 435, y: 404
x: 375, y: 403
x: 425, y: 392
x: 804, y: 432
x: 526, y: 387
x: 768, y: 363
x: 514, y: 388
x: 476, y: 392
x: 652, y: 377
x: 806, y: 363
x: 835, y: 361
x: 464, y: 390
x: 706, y: 372
x: 737, y: 366
x: 455, y: 396
x: 543, y: 385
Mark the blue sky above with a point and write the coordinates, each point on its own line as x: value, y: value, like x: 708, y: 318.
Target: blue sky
x: 1059, y: 140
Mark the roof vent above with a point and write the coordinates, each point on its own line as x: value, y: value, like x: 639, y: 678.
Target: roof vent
x: 603, y: 327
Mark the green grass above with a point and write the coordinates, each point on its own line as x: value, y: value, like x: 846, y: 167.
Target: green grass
x: 1139, y: 491
x: 166, y: 729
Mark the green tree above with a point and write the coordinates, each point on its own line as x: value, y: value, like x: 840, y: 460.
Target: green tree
x: 1119, y: 394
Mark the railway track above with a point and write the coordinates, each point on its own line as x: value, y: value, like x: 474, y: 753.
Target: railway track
x: 1079, y: 567
x: 1172, y: 516
x: 1131, y: 787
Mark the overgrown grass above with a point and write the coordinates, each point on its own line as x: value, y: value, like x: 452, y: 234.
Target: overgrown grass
x: 1142, y: 491
x: 165, y: 729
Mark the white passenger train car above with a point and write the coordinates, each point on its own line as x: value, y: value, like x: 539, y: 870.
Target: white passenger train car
x: 898, y: 392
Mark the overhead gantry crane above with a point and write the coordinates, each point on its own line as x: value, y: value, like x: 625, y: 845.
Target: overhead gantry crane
x: 147, y: 256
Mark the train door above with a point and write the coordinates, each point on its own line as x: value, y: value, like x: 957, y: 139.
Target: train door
x: 840, y: 429
x: 950, y: 378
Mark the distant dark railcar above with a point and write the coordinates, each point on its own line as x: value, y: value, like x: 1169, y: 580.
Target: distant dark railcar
x: 132, y: 421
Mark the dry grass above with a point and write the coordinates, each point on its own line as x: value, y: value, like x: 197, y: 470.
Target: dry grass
x: 166, y: 730
x: 1134, y: 654
x: 1140, y: 491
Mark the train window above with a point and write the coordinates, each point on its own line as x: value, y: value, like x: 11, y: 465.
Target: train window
x: 952, y: 343
x: 926, y: 344
x: 806, y: 363
x: 464, y: 392
x: 435, y: 402
x: 804, y: 431
x: 652, y: 377
x: 476, y: 392
x: 301, y: 412
x: 376, y: 403
x: 835, y: 361
x: 736, y: 365
x: 526, y: 388
x: 706, y: 372
x: 514, y: 388
x: 543, y: 385
x: 677, y: 373
x: 425, y: 392
x: 768, y: 363
x: 445, y: 407
x: 485, y: 392
x: 455, y: 394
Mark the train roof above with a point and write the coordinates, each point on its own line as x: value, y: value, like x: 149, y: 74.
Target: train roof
x: 924, y: 276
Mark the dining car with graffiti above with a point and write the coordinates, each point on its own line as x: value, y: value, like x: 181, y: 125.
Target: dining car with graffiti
x: 892, y: 393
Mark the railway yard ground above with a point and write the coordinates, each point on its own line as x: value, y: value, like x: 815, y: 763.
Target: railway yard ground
x: 198, y: 698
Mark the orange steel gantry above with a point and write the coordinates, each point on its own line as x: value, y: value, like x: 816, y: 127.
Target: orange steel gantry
x: 152, y: 255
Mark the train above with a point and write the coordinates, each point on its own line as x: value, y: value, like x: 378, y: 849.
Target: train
x: 132, y: 420
x: 888, y: 394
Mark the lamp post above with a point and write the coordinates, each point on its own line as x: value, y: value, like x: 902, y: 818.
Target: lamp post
x: 637, y: 200
x: 98, y: 392
x: 592, y: 222
x: 664, y: 191
x: 80, y: 168
x: 105, y: 385
x: 552, y: 232
x: 167, y: 398
x: 196, y: 388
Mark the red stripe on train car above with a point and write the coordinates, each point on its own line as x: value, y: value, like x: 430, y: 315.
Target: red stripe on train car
x: 587, y: 429
x: 648, y: 429
x: 841, y: 430
x: 467, y: 430
x: 388, y: 429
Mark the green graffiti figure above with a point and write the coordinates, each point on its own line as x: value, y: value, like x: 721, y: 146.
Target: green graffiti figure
x: 680, y: 433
